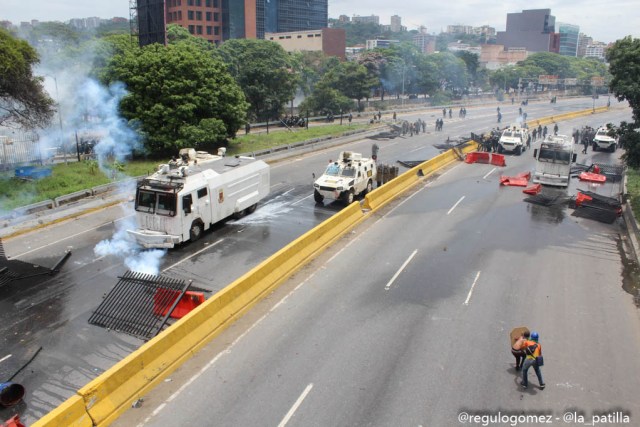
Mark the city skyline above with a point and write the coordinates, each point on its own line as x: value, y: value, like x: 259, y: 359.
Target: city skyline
x: 605, y: 22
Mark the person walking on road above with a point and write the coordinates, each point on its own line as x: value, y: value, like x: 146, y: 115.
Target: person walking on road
x: 533, y: 355
x: 555, y: 129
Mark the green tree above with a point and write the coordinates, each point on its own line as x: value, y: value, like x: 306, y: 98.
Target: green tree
x: 352, y: 80
x: 311, y: 66
x: 179, y: 95
x: 264, y: 71
x: 624, y: 66
x: 23, y: 100
x: 375, y: 63
x: 326, y: 99
x: 452, y: 72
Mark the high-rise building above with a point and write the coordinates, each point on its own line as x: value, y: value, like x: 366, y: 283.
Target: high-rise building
x: 218, y: 20
x: 374, y: 19
x: 252, y: 18
x: 533, y: 30
x: 595, y: 50
x: 583, y: 41
x: 425, y: 42
x: 330, y: 41
x: 569, y: 35
x: 396, y: 24
x: 459, y: 29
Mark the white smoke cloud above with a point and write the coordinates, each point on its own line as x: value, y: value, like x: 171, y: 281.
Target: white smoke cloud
x: 125, y: 247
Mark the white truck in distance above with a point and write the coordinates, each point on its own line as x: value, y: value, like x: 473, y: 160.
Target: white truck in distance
x: 186, y: 196
x: 604, y: 141
x: 513, y: 139
x: 349, y: 176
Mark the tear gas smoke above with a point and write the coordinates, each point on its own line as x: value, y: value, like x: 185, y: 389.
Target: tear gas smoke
x: 121, y: 245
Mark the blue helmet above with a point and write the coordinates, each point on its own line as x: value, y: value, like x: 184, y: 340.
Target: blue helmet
x: 534, y: 336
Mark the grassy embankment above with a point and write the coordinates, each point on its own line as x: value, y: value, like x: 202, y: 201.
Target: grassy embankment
x: 633, y: 190
x: 77, y: 176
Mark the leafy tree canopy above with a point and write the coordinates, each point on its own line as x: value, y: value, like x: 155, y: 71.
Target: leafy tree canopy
x: 264, y: 71
x: 23, y: 99
x: 624, y: 66
x: 180, y: 96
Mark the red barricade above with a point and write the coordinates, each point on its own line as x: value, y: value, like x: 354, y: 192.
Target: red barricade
x: 13, y: 422
x: 592, y: 177
x: 533, y: 190
x: 498, y: 160
x: 520, y: 180
x: 477, y: 157
x: 483, y: 157
x: 582, y: 198
x: 188, y: 302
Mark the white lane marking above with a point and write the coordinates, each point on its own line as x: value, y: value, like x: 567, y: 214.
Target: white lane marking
x: 295, y: 406
x: 287, y: 192
x: 402, y: 267
x: 417, y: 149
x: 204, y: 368
x: 301, y: 200
x: 5, y: 358
x: 454, y: 206
x: 427, y: 185
x: 192, y: 255
x: 466, y: 302
x: 343, y: 248
x: 488, y: 173
x: 69, y: 237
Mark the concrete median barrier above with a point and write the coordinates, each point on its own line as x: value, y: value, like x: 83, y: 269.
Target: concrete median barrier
x: 71, y: 413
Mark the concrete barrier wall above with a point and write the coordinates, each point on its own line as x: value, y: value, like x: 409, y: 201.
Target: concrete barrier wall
x: 565, y: 116
x: 71, y: 413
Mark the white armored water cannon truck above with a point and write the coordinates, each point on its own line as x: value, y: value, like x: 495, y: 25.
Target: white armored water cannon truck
x: 186, y: 196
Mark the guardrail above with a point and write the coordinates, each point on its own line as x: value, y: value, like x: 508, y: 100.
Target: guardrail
x: 106, y: 397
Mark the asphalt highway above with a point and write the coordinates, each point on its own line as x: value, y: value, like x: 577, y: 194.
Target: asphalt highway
x: 405, y: 322
x: 53, y: 314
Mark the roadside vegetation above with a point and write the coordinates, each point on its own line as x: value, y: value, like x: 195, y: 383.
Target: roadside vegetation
x: 633, y: 190
x: 77, y: 176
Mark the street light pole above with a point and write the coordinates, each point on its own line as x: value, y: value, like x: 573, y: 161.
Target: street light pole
x: 64, y: 147
x: 403, y: 68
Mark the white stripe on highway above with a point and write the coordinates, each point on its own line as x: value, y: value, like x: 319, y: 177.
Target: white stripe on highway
x: 5, y: 358
x: 192, y: 255
x: 402, y: 267
x: 202, y: 371
x: 466, y: 302
x: 295, y: 406
x: 488, y: 173
x: 68, y: 237
x: 454, y: 206
x: 301, y: 200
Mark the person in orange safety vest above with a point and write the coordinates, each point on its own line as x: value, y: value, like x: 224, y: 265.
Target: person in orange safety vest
x: 533, y: 351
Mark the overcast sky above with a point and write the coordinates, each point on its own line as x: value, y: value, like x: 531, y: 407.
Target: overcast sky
x: 604, y: 20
